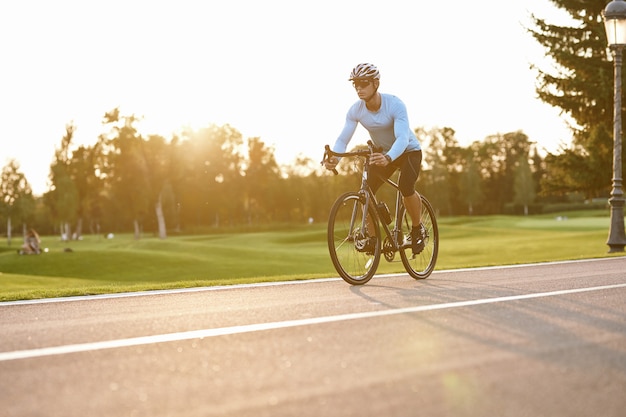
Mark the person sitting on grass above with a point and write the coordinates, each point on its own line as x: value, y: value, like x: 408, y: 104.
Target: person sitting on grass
x: 31, y: 244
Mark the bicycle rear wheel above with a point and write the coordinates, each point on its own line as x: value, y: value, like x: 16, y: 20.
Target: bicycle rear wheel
x: 354, y: 261
x: 421, y: 265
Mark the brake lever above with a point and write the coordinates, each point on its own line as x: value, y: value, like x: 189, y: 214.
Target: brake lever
x: 374, y: 148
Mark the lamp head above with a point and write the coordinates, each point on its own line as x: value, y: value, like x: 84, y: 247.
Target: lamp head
x: 615, y: 22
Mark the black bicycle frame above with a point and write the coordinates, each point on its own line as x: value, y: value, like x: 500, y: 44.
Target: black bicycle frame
x: 371, y: 197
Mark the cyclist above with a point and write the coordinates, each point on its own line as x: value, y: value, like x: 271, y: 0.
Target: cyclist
x: 385, y: 118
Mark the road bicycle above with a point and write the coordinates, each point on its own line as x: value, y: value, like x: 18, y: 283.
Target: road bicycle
x: 353, y: 255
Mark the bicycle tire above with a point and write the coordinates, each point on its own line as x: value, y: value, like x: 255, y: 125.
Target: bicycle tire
x: 355, y: 266
x: 420, y: 266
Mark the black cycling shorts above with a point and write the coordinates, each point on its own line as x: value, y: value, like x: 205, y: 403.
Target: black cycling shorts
x: 408, y: 163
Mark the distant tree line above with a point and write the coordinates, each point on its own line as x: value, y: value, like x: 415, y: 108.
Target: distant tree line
x: 210, y: 178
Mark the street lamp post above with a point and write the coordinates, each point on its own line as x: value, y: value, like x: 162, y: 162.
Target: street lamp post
x: 615, y: 25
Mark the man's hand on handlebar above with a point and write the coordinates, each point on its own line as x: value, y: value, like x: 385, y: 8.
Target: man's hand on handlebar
x: 331, y: 162
x: 379, y: 159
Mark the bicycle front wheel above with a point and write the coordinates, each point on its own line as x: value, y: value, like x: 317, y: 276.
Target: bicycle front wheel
x: 354, y: 251
x: 421, y: 265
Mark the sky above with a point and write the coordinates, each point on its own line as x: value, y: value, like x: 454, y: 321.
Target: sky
x: 273, y: 69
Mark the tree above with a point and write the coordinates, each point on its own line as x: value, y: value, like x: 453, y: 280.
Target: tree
x: 83, y: 169
x: 159, y: 170
x: 581, y: 85
x: 497, y: 157
x: 471, y: 181
x: 262, y: 174
x: 16, y: 196
x: 441, y: 167
x: 126, y: 168
x: 211, y: 189
x: 63, y: 198
x: 307, y: 190
x: 524, y: 186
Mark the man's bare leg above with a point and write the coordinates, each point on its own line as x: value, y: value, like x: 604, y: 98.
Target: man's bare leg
x: 413, y: 205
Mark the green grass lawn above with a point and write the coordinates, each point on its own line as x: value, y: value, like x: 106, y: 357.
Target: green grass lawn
x: 97, y: 265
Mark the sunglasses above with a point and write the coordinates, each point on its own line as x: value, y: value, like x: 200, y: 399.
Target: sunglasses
x: 361, y: 83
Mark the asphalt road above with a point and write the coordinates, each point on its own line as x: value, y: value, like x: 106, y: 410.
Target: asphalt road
x: 535, y: 340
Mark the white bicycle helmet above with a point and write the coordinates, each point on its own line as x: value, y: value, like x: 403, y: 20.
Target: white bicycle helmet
x: 365, y: 72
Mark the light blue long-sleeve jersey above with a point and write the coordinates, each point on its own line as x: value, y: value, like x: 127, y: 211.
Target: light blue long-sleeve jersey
x: 388, y: 127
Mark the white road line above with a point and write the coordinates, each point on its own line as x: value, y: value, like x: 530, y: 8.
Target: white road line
x: 200, y: 334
